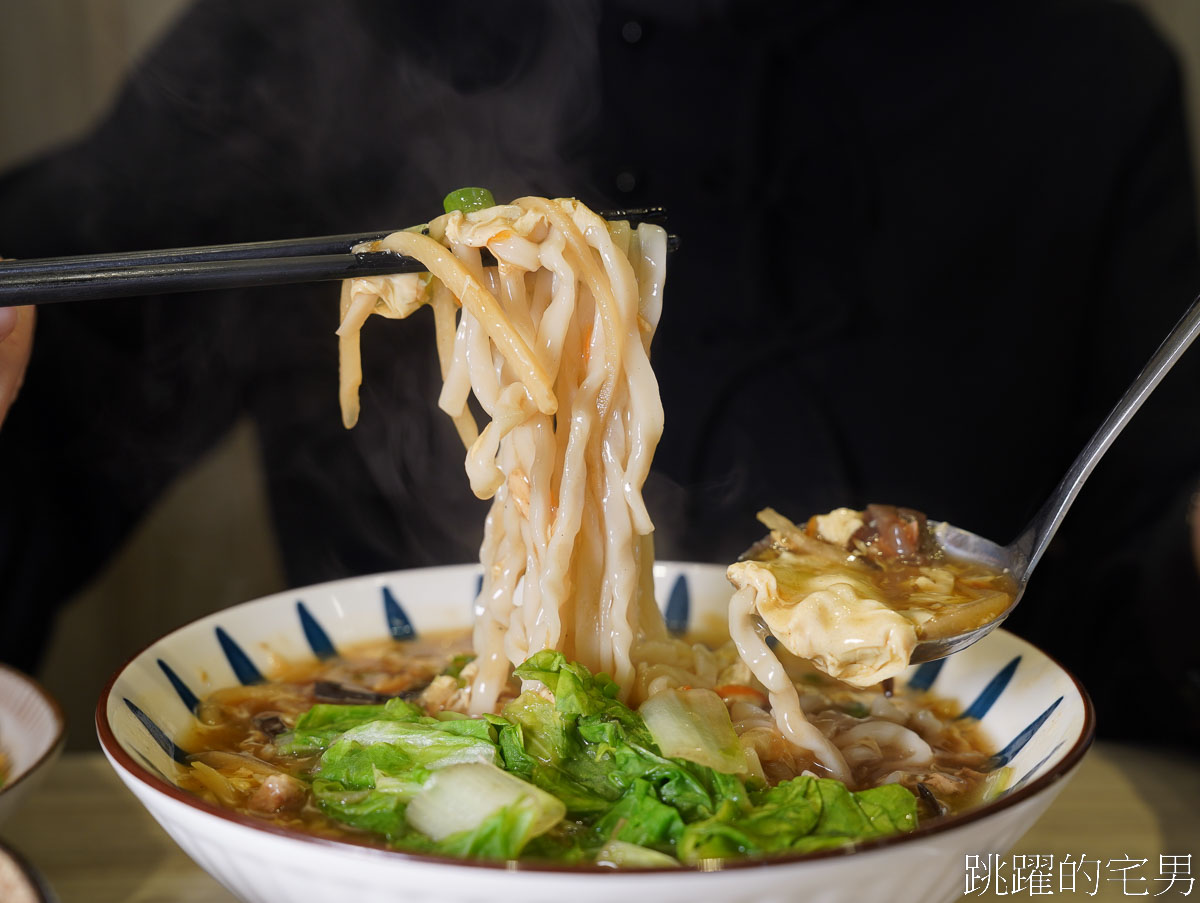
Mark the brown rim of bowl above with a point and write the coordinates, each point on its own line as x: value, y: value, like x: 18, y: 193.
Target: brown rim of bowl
x: 36, y: 881
x: 60, y: 721
x: 117, y: 753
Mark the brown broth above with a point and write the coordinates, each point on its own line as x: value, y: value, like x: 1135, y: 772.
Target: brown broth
x: 234, y: 754
x: 237, y: 726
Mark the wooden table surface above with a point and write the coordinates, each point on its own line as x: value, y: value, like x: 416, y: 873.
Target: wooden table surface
x: 95, y: 844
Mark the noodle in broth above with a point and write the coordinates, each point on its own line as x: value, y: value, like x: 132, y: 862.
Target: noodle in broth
x: 552, y: 337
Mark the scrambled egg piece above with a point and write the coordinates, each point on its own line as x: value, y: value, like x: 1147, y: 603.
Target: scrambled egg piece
x: 838, y: 525
x: 824, y: 608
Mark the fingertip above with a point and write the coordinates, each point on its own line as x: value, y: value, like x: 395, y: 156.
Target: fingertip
x: 8, y: 321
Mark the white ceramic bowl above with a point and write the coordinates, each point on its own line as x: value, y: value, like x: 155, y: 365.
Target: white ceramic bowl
x: 31, y: 736
x: 1036, y: 713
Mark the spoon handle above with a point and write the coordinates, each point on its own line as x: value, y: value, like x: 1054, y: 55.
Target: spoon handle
x: 1029, y: 546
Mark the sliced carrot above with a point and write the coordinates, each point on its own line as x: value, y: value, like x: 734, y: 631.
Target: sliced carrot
x: 742, y: 693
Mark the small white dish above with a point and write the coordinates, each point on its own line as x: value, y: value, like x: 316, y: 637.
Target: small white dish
x: 1036, y: 713
x: 31, y: 736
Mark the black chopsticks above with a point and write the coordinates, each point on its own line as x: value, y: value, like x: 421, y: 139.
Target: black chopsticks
x: 85, y: 280
x: 246, y: 265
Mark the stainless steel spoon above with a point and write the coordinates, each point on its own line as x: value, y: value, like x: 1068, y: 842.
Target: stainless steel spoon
x: 1021, y: 555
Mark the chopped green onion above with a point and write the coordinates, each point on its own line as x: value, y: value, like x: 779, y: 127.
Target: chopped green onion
x: 468, y: 200
x: 455, y: 668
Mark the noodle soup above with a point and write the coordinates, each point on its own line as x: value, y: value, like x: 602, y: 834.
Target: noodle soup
x: 259, y: 861
x: 350, y: 747
x: 580, y: 730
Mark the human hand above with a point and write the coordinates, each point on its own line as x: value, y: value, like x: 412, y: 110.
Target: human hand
x: 16, y: 341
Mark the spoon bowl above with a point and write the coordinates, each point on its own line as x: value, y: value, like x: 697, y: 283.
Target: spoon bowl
x: 1021, y: 556
x: 965, y: 545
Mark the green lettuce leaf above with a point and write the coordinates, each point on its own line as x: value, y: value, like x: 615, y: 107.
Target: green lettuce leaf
x: 320, y: 726
x: 502, y: 835
x: 589, y: 749
x: 401, y: 750
x: 597, y: 756
x: 369, y: 810
x: 579, y: 692
x: 799, y: 815
x: 640, y: 817
x: 890, y: 808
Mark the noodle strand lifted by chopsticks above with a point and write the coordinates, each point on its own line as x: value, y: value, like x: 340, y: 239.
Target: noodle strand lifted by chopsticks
x: 554, y: 343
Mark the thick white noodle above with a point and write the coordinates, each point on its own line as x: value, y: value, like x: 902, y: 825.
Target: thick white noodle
x: 554, y: 345
x: 863, y: 742
x: 785, y: 701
